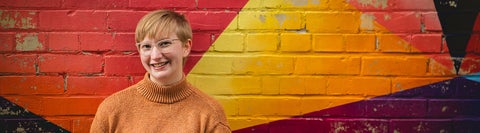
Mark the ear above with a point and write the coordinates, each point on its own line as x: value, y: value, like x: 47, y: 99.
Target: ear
x: 187, y: 47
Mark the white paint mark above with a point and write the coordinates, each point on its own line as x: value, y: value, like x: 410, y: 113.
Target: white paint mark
x: 299, y: 2
x: 367, y: 21
x: 281, y: 18
x: 374, y: 3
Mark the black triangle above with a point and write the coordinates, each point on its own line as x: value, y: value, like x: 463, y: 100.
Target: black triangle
x: 457, y: 18
x: 14, y: 118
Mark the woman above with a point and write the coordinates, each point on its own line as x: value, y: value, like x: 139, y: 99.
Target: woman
x: 163, y: 101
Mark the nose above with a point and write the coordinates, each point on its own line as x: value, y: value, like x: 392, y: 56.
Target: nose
x: 156, y: 53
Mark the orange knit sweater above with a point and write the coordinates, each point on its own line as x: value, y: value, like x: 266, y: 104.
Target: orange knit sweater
x: 148, y: 107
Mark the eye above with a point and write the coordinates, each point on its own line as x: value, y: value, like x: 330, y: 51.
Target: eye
x: 145, y: 46
x: 165, y: 43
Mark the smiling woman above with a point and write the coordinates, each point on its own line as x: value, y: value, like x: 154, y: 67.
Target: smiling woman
x: 164, y: 98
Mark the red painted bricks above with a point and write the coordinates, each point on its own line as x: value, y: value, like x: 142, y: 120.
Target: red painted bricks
x: 70, y: 105
x: 17, y: 63
x: 208, y: 20
x: 123, y: 65
x: 7, y: 42
x: 60, y: 41
x: 31, y: 85
x: 95, y: 4
x: 31, y: 3
x: 229, y: 4
x: 104, y: 86
x: 19, y: 20
x: 96, y: 41
x: 73, y: 20
x: 58, y: 63
x: 123, y: 20
x: 149, y: 4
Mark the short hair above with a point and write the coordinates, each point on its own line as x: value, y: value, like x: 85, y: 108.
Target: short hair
x: 165, y: 22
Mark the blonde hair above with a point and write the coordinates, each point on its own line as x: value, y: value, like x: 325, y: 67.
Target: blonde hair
x: 164, y: 22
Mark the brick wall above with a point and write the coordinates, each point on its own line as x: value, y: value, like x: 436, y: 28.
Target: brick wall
x: 275, y: 65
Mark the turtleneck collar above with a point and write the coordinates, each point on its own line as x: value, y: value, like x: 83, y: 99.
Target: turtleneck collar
x: 164, y: 94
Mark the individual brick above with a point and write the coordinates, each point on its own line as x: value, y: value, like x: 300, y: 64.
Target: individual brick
x: 295, y: 42
x: 388, y: 108
x: 31, y: 42
x: 427, y: 43
x: 22, y: 20
x: 431, y: 21
x: 7, y: 42
x: 63, y: 41
x: 32, y: 3
x: 31, y: 85
x: 18, y: 63
x: 201, y: 41
x: 328, y: 43
x: 327, y: 65
x: 261, y: 42
x: 360, y: 42
x: 214, y: 64
x: 230, y: 42
x: 341, y: 22
x: 394, y: 43
x: 394, y: 65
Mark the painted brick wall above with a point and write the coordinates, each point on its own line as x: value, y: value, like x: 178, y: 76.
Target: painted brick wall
x: 275, y: 65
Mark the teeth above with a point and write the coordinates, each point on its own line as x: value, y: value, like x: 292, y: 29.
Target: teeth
x: 159, y: 64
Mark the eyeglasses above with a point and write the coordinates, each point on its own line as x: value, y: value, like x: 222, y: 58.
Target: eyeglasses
x: 160, y: 45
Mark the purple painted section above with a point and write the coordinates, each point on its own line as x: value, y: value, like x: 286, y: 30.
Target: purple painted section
x: 447, y: 106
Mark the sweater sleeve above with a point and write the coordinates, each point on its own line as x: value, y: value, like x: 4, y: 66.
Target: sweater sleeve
x: 100, y: 122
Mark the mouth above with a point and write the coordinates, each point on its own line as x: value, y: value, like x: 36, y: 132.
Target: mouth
x: 159, y: 65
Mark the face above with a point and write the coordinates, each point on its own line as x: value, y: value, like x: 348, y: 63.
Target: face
x: 163, y: 58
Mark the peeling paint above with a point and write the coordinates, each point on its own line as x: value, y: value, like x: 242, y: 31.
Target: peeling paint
x: 387, y: 17
x: 262, y: 18
x: 280, y: 18
x: 299, y: 2
x: 367, y: 21
x: 29, y: 43
x: 11, y: 21
x: 316, y: 2
x: 26, y: 23
x: 444, y: 108
x: 7, y: 21
x: 374, y: 3
x: 339, y: 127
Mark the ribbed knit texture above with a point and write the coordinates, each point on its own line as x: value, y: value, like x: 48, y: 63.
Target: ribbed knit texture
x: 164, y: 94
x: 149, y: 107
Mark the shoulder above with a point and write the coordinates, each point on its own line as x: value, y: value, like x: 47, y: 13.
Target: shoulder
x: 206, y: 100
x: 116, y: 99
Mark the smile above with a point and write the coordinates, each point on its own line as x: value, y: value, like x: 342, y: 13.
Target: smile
x: 160, y: 64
